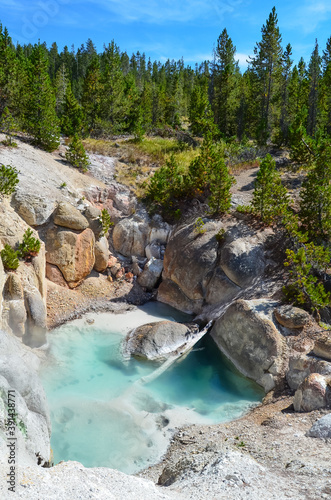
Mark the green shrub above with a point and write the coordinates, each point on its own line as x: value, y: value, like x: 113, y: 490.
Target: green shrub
x: 220, y: 235
x: 8, y: 179
x: 9, y: 258
x: 199, y: 226
x: 30, y: 246
x: 76, y: 154
x: 105, y: 221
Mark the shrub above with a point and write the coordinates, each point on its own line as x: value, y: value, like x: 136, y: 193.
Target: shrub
x: 8, y: 179
x: 30, y: 246
x: 9, y: 258
x: 199, y: 226
x: 76, y: 154
x: 105, y: 221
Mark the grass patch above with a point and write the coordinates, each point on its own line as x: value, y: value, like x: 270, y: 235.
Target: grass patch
x: 137, y: 161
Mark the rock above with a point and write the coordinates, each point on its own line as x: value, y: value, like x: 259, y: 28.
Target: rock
x: 153, y: 250
x: 101, y: 250
x: 14, y: 287
x: 66, y: 215
x: 72, y: 253
x: 189, y: 259
x: 219, y: 289
x: 301, y: 366
x: 130, y: 237
x: 18, y: 372
x: 322, y: 346
x: 151, y: 273
x: 112, y: 261
x: 321, y: 428
x: 157, y: 340
x: 249, y: 338
x: 159, y: 230
x: 242, y: 260
x: 37, y: 318
x: 170, y: 293
x: 93, y: 214
x: 314, y: 393
x: 34, y: 209
x: 17, y: 317
x: 54, y: 274
x: 291, y: 317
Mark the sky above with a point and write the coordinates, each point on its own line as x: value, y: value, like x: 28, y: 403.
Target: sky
x: 167, y: 29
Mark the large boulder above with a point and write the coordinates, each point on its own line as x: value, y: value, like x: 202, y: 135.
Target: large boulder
x: 151, y: 273
x: 93, y: 214
x: 243, y: 260
x: 130, y: 237
x: 66, y: 215
x: 72, y: 253
x: 189, y: 259
x: 314, y: 393
x: 170, y: 293
x: 247, y: 335
x: 34, y: 209
x: 36, y: 318
x: 155, y: 341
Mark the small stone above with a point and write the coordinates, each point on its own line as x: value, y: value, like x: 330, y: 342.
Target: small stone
x: 291, y: 317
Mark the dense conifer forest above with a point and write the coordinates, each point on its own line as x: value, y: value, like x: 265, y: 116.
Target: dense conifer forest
x: 47, y: 92
x: 81, y: 94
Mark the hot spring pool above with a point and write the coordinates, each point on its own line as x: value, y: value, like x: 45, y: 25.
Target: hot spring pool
x: 101, y: 413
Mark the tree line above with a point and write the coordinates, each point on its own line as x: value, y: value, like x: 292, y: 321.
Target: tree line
x: 46, y: 92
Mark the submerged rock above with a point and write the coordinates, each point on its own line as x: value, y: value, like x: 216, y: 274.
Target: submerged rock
x: 155, y: 341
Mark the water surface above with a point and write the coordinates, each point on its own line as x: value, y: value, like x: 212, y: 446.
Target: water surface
x: 101, y: 412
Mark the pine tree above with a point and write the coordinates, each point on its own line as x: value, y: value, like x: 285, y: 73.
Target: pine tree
x: 266, y: 65
x: 220, y: 182
x: 92, y: 95
x: 225, y: 79
x: 270, y: 198
x: 314, y: 72
x: 76, y: 154
x: 8, y: 125
x: 41, y: 119
x: 72, y: 114
x: 315, y: 205
x: 200, y: 114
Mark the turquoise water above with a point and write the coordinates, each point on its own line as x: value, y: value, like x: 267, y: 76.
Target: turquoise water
x: 101, y: 412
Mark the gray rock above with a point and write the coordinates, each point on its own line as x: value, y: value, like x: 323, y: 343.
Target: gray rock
x: 130, y: 237
x: 101, y: 250
x: 66, y: 215
x: 17, y: 317
x: 18, y: 371
x: 170, y: 293
x: 301, y: 366
x: 291, y: 317
x: 34, y: 209
x: 314, y: 393
x: 242, y: 260
x: 92, y: 214
x: 322, y: 346
x: 157, y: 340
x: 37, y: 314
x: 153, y: 250
x: 151, y: 273
x: 249, y: 338
x: 321, y: 428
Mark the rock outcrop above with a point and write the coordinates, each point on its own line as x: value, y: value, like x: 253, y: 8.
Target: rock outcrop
x: 18, y: 373
x: 247, y: 335
x: 211, y: 270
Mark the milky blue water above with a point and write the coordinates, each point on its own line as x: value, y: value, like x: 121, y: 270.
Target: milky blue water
x: 101, y: 412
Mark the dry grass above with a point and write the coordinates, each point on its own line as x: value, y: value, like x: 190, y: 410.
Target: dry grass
x: 137, y: 161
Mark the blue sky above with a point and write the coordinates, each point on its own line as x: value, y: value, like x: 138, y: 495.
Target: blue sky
x: 168, y: 28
